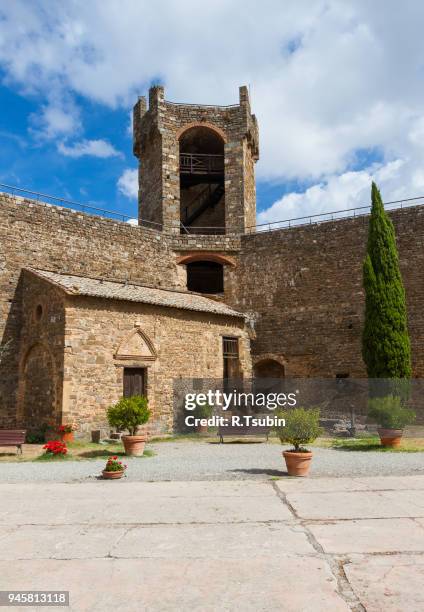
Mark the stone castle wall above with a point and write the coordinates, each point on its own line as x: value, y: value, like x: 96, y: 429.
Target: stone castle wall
x: 62, y: 240
x: 304, y: 287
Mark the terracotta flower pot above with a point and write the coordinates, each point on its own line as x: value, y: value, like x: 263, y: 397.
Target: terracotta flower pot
x: 112, y: 475
x: 390, y: 437
x: 298, y: 464
x: 202, y: 429
x: 67, y: 437
x: 134, y: 445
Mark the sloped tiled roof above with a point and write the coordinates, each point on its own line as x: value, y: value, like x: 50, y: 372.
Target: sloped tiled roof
x: 112, y: 290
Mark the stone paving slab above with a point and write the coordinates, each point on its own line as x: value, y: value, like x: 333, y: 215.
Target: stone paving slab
x: 358, y: 504
x: 233, y: 541
x: 388, y: 583
x: 223, y: 541
x: 373, y: 483
x: 260, y: 584
x: 93, y: 503
x: 369, y: 536
x: 57, y: 542
x: 218, y: 545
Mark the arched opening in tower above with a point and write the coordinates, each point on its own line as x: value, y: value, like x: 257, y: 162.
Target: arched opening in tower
x: 202, y: 187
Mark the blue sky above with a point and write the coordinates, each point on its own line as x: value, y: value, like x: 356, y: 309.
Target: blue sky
x: 33, y: 163
x: 337, y: 88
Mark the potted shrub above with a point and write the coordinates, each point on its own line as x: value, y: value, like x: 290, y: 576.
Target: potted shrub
x: 392, y: 417
x: 301, y: 427
x: 129, y: 413
x: 202, y: 412
x: 114, y: 469
x: 66, y: 432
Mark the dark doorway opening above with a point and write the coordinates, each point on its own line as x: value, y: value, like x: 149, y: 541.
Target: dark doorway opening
x: 134, y: 381
x: 202, y: 186
x: 205, y: 277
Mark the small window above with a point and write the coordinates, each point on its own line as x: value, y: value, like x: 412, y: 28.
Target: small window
x: 134, y: 381
x: 205, y: 277
x: 230, y: 352
x: 38, y: 312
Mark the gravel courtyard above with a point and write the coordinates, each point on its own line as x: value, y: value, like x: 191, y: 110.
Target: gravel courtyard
x: 202, y: 460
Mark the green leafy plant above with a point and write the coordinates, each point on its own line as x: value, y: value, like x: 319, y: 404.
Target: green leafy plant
x: 389, y: 413
x: 37, y: 436
x: 129, y: 413
x: 385, y: 340
x: 203, y: 412
x: 301, y: 427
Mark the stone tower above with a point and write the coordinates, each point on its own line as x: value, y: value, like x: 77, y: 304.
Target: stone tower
x: 196, y: 165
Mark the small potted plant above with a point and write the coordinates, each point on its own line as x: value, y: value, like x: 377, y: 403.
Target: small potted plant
x: 66, y: 432
x: 392, y: 417
x: 301, y: 427
x: 114, y: 469
x: 129, y: 413
x: 202, y: 412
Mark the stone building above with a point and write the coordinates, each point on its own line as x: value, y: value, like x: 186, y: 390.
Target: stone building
x: 89, y: 341
x: 92, y: 308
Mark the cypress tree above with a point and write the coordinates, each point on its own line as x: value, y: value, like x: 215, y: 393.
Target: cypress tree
x: 385, y: 340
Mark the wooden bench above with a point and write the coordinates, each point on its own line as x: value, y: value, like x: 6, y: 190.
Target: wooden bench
x: 235, y: 431
x: 13, y: 437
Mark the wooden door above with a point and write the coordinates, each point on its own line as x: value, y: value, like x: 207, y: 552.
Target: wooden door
x: 134, y: 381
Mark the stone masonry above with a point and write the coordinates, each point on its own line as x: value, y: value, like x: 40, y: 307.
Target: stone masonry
x: 299, y: 289
x: 74, y: 347
x: 156, y: 143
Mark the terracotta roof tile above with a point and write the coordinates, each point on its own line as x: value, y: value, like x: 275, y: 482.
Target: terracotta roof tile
x: 114, y: 290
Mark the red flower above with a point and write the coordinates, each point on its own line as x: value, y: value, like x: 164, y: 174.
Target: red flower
x: 55, y: 447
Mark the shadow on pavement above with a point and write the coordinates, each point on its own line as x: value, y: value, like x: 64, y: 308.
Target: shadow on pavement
x: 260, y: 471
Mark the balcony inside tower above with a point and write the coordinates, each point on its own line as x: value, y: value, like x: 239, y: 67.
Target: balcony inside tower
x: 202, y: 186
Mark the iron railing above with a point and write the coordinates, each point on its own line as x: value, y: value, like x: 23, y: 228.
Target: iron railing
x: 347, y: 213
x: 201, y: 163
x: 204, y: 231
x: 336, y: 215
x: 57, y: 201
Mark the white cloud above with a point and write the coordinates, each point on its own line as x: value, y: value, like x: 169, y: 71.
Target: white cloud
x: 128, y: 183
x: 59, y: 117
x: 327, y: 78
x: 95, y: 148
x: 346, y: 191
